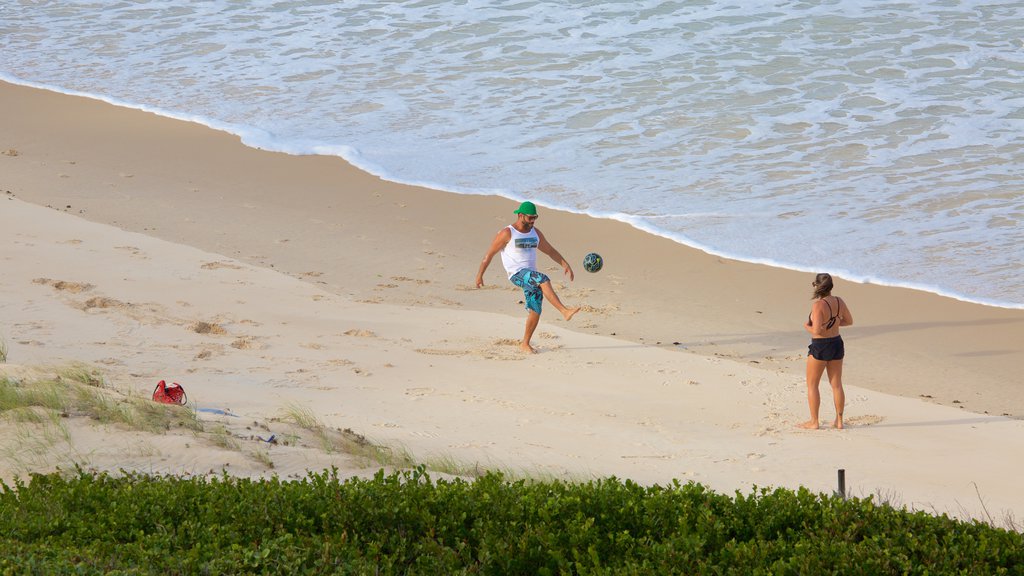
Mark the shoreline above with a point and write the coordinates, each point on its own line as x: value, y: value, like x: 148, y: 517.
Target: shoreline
x: 866, y: 280
x: 353, y: 297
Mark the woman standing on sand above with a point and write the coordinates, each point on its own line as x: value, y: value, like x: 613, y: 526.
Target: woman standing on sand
x: 825, y: 354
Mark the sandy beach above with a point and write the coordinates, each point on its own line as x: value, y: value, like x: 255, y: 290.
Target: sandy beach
x: 353, y: 297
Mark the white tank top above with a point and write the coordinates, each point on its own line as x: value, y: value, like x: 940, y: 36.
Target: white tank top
x: 520, y: 252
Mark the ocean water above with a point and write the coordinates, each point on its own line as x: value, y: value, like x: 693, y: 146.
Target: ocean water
x: 882, y: 141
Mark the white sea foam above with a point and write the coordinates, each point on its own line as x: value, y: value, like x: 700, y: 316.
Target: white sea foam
x: 880, y: 141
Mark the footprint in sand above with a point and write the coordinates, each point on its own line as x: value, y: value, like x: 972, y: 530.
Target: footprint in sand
x: 132, y: 250
x: 407, y: 279
x: 599, y: 310
x: 64, y: 286
x: 470, y: 287
x: 360, y: 333
x: 865, y: 420
x: 246, y: 343
x: 218, y: 265
x: 101, y: 302
x: 426, y: 391
x: 503, y: 353
x: 207, y: 328
x: 441, y: 352
x: 475, y: 445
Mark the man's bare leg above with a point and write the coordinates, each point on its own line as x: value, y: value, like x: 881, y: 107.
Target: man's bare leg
x: 835, y: 379
x: 549, y: 293
x: 532, y: 319
x: 814, y: 370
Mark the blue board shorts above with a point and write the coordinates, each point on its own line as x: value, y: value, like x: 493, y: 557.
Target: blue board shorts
x: 530, y: 281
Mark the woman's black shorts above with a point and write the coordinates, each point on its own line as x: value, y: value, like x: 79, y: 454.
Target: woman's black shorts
x: 826, y: 349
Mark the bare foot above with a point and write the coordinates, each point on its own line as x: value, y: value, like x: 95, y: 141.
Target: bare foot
x: 568, y: 313
x: 524, y: 347
x: 809, y: 425
x: 838, y: 423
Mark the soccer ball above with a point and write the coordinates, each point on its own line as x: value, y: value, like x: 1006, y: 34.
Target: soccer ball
x: 592, y: 262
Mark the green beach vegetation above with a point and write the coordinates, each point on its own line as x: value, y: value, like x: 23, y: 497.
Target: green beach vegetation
x: 406, y: 522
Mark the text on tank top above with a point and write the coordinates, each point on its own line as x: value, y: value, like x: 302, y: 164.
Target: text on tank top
x: 521, y: 251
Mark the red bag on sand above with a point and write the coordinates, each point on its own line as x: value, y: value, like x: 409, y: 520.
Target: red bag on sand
x: 171, y: 393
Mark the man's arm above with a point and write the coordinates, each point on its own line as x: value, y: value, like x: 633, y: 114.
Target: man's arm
x: 544, y: 246
x: 499, y: 243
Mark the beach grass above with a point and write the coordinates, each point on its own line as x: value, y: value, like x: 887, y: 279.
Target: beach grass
x: 37, y: 404
x: 448, y: 464
x: 32, y: 435
x: 345, y: 441
x: 262, y: 456
x: 369, y: 453
x: 222, y: 438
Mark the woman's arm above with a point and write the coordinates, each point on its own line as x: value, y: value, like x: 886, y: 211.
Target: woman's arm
x: 816, y: 320
x: 845, y: 316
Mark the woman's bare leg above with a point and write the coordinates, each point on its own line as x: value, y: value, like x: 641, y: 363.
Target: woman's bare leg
x: 835, y: 379
x: 815, y: 368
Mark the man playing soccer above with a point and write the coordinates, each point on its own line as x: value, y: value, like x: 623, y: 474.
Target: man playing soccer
x: 518, y: 244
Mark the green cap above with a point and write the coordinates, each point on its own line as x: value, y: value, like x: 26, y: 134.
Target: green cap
x: 527, y: 208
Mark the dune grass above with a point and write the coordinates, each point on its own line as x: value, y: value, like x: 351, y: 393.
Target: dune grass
x: 40, y: 404
x: 37, y: 407
x: 337, y: 440
x: 370, y: 453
